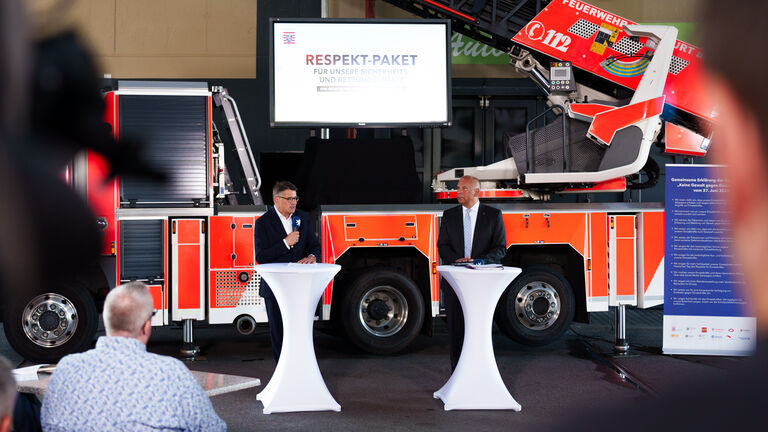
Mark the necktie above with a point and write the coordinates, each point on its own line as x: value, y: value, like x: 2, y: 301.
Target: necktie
x: 467, y: 234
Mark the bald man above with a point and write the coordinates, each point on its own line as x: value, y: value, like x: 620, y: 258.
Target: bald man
x: 469, y: 231
x: 119, y: 385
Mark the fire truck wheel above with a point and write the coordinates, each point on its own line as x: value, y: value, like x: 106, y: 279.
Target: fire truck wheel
x: 42, y: 328
x: 382, y: 312
x: 537, y: 307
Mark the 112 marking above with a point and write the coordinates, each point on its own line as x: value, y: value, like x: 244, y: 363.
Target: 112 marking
x: 554, y: 38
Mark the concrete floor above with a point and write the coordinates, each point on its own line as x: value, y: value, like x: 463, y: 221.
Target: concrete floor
x: 552, y: 383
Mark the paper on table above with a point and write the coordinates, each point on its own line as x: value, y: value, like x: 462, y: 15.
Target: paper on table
x: 27, y: 373
x: 485, y: 266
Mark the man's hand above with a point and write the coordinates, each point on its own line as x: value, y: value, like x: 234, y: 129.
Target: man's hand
x: 292, y: 238
x: 309, y: 259
x: 464, y: 260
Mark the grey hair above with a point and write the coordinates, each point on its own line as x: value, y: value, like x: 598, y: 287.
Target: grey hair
x: 127, y: 308
x: 281, y: 186
x: 7, y: 389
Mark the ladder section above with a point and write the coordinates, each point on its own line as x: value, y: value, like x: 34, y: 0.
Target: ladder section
x: 493, y: 22
x: 235, y: 124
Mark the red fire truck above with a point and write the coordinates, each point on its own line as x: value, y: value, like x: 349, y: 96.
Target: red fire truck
x: 190, y: 242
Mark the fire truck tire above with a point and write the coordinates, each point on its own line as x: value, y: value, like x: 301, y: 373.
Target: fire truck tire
x: 382, y: 312
x: 43, y: 327
x: 537, y: 308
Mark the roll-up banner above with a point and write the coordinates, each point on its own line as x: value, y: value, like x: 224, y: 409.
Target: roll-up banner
x: 705, y: 306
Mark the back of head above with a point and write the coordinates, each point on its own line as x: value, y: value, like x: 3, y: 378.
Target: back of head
x: 126, y: 309
x: 7, y: 389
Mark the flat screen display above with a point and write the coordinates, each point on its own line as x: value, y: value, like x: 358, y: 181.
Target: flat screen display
x: 360, y: 73
x: 561, y: 73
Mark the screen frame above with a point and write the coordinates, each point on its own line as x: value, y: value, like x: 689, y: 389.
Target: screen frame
x: 372, y: 21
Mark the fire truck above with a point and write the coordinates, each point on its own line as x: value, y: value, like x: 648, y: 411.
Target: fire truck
x: 614, y: 90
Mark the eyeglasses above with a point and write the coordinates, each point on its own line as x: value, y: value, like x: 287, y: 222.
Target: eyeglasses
x: 292, y: 199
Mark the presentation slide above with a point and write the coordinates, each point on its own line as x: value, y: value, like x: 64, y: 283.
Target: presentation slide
x: 360, y: 74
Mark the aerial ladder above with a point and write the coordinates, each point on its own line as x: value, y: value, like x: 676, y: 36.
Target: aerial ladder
x: 613, y: 87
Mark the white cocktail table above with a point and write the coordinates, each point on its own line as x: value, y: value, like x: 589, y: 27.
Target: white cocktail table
x: 476, y: 382
x: 297, y: 384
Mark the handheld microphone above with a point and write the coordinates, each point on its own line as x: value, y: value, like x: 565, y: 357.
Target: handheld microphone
x: 295, y: 224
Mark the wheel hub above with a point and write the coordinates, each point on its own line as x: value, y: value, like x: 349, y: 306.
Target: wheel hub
x: 49, y: 320
x: 537, y: 305
x: 383, y: 311
x: 540, y: 306
x: 378, y: 309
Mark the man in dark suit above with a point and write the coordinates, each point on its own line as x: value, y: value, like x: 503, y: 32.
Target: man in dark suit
x: 283, y: 234
x: 468, y: 231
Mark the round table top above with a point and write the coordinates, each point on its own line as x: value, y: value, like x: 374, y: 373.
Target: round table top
x: 465, y: 269
x: 295, y: 268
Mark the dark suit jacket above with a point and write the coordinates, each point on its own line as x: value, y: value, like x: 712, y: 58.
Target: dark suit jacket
x: 269, y: 234
x: 489, y: 241
x: 268, y: 241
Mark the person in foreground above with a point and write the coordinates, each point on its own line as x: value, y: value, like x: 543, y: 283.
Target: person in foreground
x: 7, y: 395
x: 733, y: 33
x: 119, y: 385
x: 468, y: 231
x: 283, y: 234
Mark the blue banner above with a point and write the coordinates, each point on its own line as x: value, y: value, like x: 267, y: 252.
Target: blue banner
x: 705, y: 311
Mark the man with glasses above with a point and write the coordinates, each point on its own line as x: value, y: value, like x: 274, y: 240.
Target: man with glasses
x: 283, y: 234
x: 119, y: 385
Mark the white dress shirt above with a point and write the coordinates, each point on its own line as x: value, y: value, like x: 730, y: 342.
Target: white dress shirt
x: 287, y: 224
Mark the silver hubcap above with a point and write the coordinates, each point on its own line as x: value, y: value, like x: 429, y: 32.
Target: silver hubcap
x: 537, y: 305
x: 383, y: 311
x: 49, y: 320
